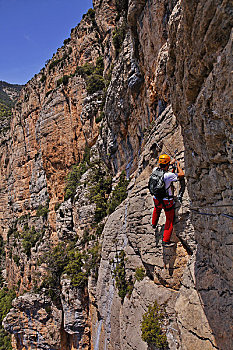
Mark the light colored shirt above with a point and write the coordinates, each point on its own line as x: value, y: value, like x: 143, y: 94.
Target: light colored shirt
x: 168, y: 179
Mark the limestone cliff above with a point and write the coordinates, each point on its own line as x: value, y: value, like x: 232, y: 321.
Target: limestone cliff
x: 135, y: 78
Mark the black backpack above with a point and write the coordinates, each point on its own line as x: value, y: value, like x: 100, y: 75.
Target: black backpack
x: 156, y: 184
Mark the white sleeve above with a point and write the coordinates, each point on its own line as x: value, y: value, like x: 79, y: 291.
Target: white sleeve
x: 171, y: 177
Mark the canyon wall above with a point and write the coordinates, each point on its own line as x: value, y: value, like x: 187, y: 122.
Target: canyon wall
x: 135, y: 79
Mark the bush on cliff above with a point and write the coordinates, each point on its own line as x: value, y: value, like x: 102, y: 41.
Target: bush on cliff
x: 74, y: 268
x: 152, y: 327
x: 54, y: 64
x: 67, y: 259
x: 6, y: 297
x: 2, y: 254
x: 118, y: 37
x: 64, y: 80
x: 124, y: 285
x: 139, y: 274
x: 29, y: 238
x: 119, y: 193
x: 101, y: 184
x: 42, y: 211
x: 74, y: 176
x: 93, y: 75
x: 5, y: 111
x: 94, y: 83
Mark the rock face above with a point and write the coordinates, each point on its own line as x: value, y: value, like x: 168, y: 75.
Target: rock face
x: 202, y: 70
x: 134, y: 80
x: 34, y: 319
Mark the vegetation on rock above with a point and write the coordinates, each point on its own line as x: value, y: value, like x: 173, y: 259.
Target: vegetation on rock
x: 29, y: 239
x: 152, y: 327
x: 6, y: 297
x: 74, y: 176
x: 65, y: 258
x: 91, y: 15
x: 119, y: 193
x: 118, y: 37
x: 124, y: 285
x: 64, y: 80
x: 93, y: 75
x: 5, y: 111
x: 101, y: 184
x: 7, y: 102
x: 2, y: 254
x: 42, y: 211
x: 139, y: 274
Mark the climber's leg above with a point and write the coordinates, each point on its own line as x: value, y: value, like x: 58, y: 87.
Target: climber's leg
x: 156, y: 212
x: 169, y: 212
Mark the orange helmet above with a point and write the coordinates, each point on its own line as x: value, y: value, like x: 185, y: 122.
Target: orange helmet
x: 164, y: 159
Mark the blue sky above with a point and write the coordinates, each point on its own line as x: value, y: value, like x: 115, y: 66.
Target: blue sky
x: 31, y: 31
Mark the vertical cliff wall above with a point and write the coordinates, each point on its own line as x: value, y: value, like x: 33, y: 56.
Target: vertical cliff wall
x: 135, y: 78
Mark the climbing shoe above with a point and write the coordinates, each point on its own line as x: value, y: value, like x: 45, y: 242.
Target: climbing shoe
x: 169, y: 244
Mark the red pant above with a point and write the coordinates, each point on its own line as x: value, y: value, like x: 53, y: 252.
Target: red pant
x: 168, y: 206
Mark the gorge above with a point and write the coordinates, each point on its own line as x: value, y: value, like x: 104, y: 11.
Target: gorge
x: 80, y: 259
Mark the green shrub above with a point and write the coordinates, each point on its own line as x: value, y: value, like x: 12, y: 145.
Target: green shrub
x: 93, y: 260
x: 99, y: 229
x: 64, y: 80
x: 23, y: 218
x: 73, y: 180
x: 101, y: 186
x: 139, y: 274
x: 57, y: 206
x: 152, y: 327
x: 5, y: 340
x: 119, y: 193
x: 63, y: 259
x: 118, y: 37
x: 16, y: 259
x: 108, y: 77
x: 55, y: 259
x: 95, y: 83
x: 29, y: 238
x: 5, y: 111
x: 54, y: 64
x: 86, y: 238
x: 12, y: 231
x: 93, y: 75
x: 86, y: 155
x: 66, y: 41
x: 2, y: 255
x: 99, y: 66
x: 123, y: 285
x: 6, y: 297
x: 91, y: 13
x: 86, y: 69
x: 74, y: 176
x: 74, y: 269
x: 42, y: 211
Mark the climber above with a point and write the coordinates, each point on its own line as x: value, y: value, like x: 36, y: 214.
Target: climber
x: 160, y: 188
